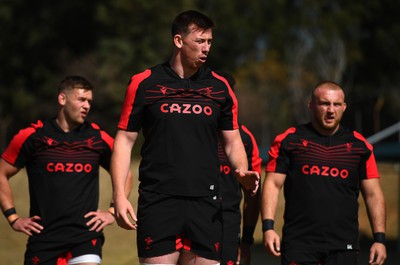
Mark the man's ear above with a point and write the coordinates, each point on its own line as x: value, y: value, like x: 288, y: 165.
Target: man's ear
x: 62, y: 98
x: 178, y: 40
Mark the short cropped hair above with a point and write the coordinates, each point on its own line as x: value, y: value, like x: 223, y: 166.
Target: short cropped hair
x: 182, y: 22
x: 74, y: 81
x: 333, y: 85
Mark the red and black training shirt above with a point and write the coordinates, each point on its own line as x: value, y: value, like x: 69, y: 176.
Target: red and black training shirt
x: 63, y: 173
x: 323, y: 175
x: 180, y: 119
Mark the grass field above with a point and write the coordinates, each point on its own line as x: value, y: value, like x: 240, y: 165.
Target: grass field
x: 120, y: 247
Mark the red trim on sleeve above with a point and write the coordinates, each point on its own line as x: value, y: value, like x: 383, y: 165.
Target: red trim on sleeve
x: 235, y: 123
x: 255, y: 156
x: 274, y: 149
x: 371, y: 166
x: 104, y: 135
x: 14, y: 148
x: 130, y: 96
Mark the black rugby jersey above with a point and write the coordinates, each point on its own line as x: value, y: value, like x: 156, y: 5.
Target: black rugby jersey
x: 63, y: 173
x: 323, y: 175
x: 180, y: 119
x: 231, y: 190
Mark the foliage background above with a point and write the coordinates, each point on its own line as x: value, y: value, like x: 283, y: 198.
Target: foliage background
x: 277, y: 50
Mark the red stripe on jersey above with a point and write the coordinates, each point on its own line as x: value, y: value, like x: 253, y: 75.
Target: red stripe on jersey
x: 274, y: 150
x: 13, y: 149
x: 130, y: 96
x: 107, y: 138
x: 104, y: 135
x: 371, y: 167
x: 255, y: 156
x: 235, y: 123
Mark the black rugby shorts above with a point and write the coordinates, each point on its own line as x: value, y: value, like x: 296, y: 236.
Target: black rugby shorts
x: 169, y: 223
x: 341, y: 257
x: 47, y: 254
x: 231, y: 234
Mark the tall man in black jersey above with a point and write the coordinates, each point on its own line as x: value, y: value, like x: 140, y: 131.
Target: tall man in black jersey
x: 183, y: 108
x: 323, y: 167
x: 62, y: 157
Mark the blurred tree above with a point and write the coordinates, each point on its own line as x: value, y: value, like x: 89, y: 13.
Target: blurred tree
x: 263, y: 104
x: 38, y: 38
x: 278, y: 50
x: 375, y: 76
x: 137, y: 35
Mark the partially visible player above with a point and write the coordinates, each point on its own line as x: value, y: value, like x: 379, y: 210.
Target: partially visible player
x: 236, y: 245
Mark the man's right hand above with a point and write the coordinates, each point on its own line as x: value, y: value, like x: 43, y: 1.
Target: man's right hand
x: 28, y: 225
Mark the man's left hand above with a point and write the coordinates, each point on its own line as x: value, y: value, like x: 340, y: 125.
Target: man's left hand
x: 99, y: 220
x: 250, y: 180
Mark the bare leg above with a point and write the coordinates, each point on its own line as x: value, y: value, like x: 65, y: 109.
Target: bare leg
x: 189, y: 258
x: 171, y: 258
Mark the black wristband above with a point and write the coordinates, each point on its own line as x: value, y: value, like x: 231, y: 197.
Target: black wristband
x: 9, y: 212
x: 380, y: 237
x: 247, y: 235
x: 267, y: 224
x: 13, y: 222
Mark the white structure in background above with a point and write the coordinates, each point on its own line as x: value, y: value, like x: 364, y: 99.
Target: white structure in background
x: 395, y: 128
